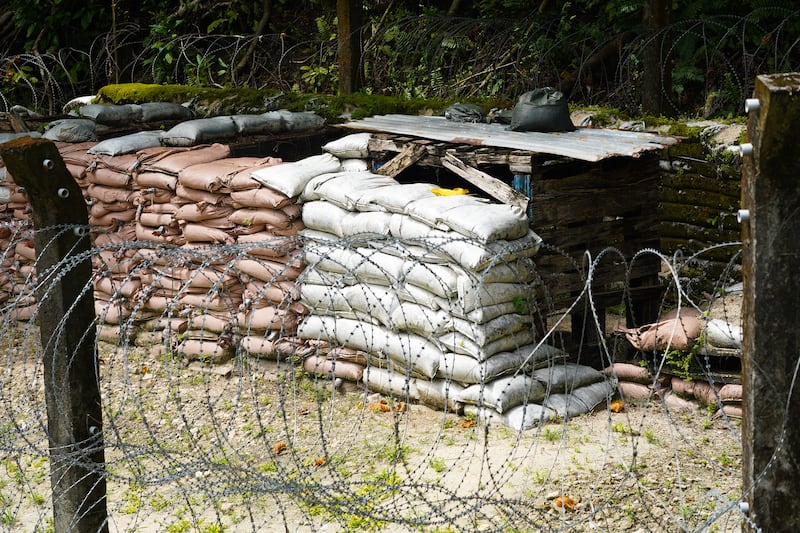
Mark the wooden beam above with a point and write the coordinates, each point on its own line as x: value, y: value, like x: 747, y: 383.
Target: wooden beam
x: 489, y: 184
x: 67, y: 328
x: 409, y: 155
x: 771, y: 347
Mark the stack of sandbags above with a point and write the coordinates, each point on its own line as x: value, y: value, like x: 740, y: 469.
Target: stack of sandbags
x: 634, y: 381
x: 18, y: 257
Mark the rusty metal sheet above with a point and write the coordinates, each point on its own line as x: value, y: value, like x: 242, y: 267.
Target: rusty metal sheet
x: 586, y: 144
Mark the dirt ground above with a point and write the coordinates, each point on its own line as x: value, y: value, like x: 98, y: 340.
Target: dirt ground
x: 262, y: 447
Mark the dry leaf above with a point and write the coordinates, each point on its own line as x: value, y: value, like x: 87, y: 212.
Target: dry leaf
x: 617, y: 406
x: 380, y: 407
x: 565, y: 502
x: 320, y: 461
x: 400, y: 407
x: 468, y: 423
x: 279, y: 447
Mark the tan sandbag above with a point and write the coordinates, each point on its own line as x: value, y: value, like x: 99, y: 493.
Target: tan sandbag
x: 278, y: 292
x: 175, y: 161
x: 155, y: 220
x: 126, y: 287
x: 24, y: 249
x: 161, y: 180
x: 200, y: 211
x: 267, y: 318
x: 675, y: 331
x: 162, y: 234
x: 204, y: 350
x: 262, y: 197
x: 111, y: 313
x: 110, y: 194
x: 262, y: 347
x: 113, y: 219
x: 224, y: 173
x: 153, y: 195
x: 201, y: 233
x: 699, y: 390
x: 269, y: 244
x: 161, y: 208
x: 269, y: 271
x: 210, y: 302
x: 99, y: 209
x: 292, y: 230
x: 730, y: 392
x: 22, y: 313
x: 731, y: 411
x: 630, y: 389
x: 331, y: 368
x: 629, y: 372
x: 211, y: 322
x: 271, y: 217
x: 100, y: 175
x: 124, y: 164
x: 676, y: 403
x: 196, y: 195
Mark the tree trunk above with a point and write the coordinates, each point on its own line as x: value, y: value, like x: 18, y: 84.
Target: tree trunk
x: 657, y: 77
x: 350, y: 15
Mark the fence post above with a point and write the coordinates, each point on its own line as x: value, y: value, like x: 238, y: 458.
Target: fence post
x: 67, y: 330
x: 770, y: 218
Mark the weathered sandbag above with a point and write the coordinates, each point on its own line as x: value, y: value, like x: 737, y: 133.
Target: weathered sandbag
x: 280, y: 293
x: 730, y: 392
x: 633, y: 390
x: 431, y: 210
x: 265, y: 270
x: 270, y: 217
x: 676, y: 403
x: 210, y: 322
x: 504, y: 393
x: 301, y: 120
x: 163, y: 234
x: 420, y: 319
x: 676, y: 330
x: 199, y: 212
x: 723, y: 334
x: 345, y: 188
x: 355, y: 145
x: 71, y: 130
x: 160, y: 180
x: 210, y: 302
x: 111, y: 114
x: 164, y: 111
x: 200, y: 131
x: 291, y: 178
x: 108, y: 177
x: 466, y: 369
x: 174, y: 160
x: 543, y: 110
x: 205, y: 350
x: 194, y: 232
x: 393, y: 198
x: 354, y: 165
x: 113, y: 219
x: 155, y: 220
x: 436, y: 393
x: 322, y: 366
x: 127, y: 144
x: 465, y: 112
x: 580, y: 401
x: 269, y: 122
x: 110, y: 194
x: 267, y: 245
x: 566, y: 377
x: 195, y: 195
x: 731, y: 411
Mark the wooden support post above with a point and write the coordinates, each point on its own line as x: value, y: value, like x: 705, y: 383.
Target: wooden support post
x: 412, y: 153
x: 66, y: 321
x: 350, y: 16
x: 771, y: 350
x: 489, y: 184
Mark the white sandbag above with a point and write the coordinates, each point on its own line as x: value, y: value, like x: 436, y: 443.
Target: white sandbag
x: 488, y: 222
x: 472, y: 295
x: 361, y: 302
x: 420, y: 319
x: 200, y: 131
x: 270, y: 122
x: 410, y: 351
x: 432, y: 210
x: 354, y: 165
x: 466, y: 369
x: 518, y: 418
x: 460, y: 343
x: 291, y: 178
x: 504, y: 393
x: 366, y: 264
x: 323, y: 216
x: 301, y: 120
x: 366, y: 225
x: 344, y: 189
x: 722, y: 334
x: 71, y: 130
x: 355, y: 145
x: 441, y: 280
x: 567, y: 377
x: 127, y: 144
x: 438, y: 393
x: 393, y: 198
x: 164, y: 111
x: 483, y: 334
x: 111, y: 114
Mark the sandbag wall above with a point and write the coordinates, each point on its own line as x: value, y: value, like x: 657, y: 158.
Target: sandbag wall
x: 424, y: 297
x: 154, y: 214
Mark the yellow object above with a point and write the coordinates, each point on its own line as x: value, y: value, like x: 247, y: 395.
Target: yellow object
x: 449, y: 192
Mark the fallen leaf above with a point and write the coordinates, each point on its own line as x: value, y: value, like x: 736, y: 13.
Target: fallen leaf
x: 380, y: 407
x: 565, y: 502
x: 320, y: 461
x: 279, y: 447
x: 400, y: 407
x: 468, y: 423
x: 617, y: 406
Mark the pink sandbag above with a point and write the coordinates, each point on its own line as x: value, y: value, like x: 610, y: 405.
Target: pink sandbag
x: 218, y: 175
x: 699, y: 390
x: 177, y: 160
x: 24, y: 249
x: 267, y: 318
x: 153, y: 195
x: 262, y: 347
x: 113, y: 219
x: 676, y: 403
x: 279, y: 293
x: 638, y: 391
x: 160, y: 180
x: 271, y: 217
x: 211, y: 302
x: 292, y: 230
x: 123, y: 164
x: 160, y: 234
x: 629, y: 372
x: 111, y: 313
x: 676, y: 331
x: 731, y: 411
x: 731, y: 392
x: 200, y: 233
x: 263, y: 197
x: 210, y: 322
x: 200, y: 211
x: 268, y: 245
x: 329, y: 368
x: 269, y: 271
x: 155, y: 220
x: 161, y: 208
x: 99, y: 209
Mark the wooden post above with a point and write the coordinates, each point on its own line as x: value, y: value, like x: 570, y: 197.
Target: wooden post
x: 657, y: 78
x: 66, y: 321
x: 771, y: 255
x: 350, y: 15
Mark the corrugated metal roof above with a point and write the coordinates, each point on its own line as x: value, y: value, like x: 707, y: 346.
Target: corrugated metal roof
x: 587, y: 144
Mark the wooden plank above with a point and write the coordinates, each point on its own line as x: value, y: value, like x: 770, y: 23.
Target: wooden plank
x: 770, y: 432
x: 67, y: 328
x: 412, y: 153
x: 488, y: 184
